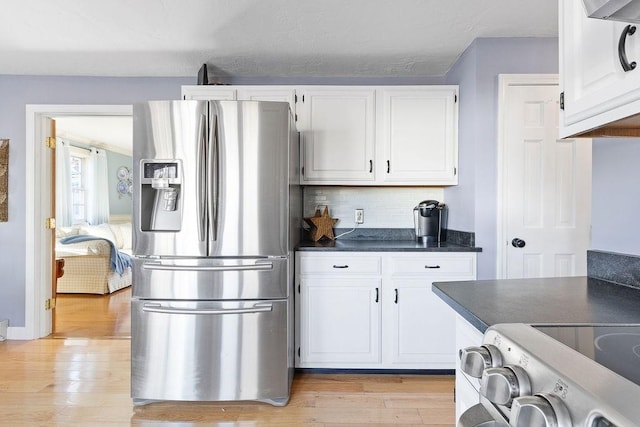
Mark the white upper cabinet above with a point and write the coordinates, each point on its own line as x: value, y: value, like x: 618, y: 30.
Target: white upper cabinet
x: 365, y: 135
x: 241, y: 93
x: 419, y: 134
x: 337, y: 127
x: 206, y: 93
x: 597, y: 89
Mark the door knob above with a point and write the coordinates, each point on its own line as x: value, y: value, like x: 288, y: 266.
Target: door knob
x: 518, y: 243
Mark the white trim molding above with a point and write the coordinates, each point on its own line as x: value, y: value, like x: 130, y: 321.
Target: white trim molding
x: 37, y: 281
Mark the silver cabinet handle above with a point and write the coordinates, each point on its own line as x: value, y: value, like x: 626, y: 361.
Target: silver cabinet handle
x: 166, y: 267
x: 158, y: 308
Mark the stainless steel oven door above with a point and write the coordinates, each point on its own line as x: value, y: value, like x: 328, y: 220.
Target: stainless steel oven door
x: 211, y: 351
x: 210, y: 278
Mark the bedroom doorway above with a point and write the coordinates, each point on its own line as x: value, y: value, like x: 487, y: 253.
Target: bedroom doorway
x: 93, y: 196
x: 40, y: 247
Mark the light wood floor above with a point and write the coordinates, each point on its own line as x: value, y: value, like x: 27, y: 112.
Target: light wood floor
x: 86, y: 381
x: 93, y: 316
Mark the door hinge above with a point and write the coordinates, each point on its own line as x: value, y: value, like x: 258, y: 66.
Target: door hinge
x: 50, y: 304
x: 50, y: 223
x: 562, y: 100
x: 50, y: 142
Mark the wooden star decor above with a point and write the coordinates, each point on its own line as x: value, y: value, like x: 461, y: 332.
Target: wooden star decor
x: 321, y: 225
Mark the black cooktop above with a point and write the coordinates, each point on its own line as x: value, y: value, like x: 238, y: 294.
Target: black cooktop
x: 615, y: 346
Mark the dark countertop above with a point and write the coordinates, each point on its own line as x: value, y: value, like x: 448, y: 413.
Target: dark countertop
x: 567, y: 300
x: 383, y: 246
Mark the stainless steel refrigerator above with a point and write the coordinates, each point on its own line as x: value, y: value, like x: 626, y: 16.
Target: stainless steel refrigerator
x: 217, y: 214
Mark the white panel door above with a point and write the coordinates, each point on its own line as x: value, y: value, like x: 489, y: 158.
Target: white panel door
x: 547, y: 184
x: 338, y: 133
x: 419, y: 135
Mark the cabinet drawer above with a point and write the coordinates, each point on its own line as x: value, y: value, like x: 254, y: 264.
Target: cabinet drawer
x: 433, y: 265
x: 340, y: 264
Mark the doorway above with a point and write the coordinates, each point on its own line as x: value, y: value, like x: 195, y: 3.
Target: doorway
x: 39, y: 260
x: 91, y: 300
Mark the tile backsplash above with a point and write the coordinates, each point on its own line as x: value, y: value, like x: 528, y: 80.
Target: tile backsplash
x: 384, y: 207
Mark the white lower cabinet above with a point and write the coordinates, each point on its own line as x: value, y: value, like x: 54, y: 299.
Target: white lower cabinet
x: 376, y: 310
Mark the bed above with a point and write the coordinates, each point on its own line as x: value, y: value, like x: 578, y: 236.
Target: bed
x: 87, y: 264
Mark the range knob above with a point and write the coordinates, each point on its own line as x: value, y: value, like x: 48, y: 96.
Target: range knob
x: 474, y: 360
x: 540, y: 410
x: 502, y: 385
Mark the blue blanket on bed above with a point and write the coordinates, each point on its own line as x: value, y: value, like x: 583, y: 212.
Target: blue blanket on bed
x: 119, y: 260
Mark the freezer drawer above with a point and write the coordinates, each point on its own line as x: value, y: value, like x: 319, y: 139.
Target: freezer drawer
x: 211, y: 278
x: 211, y: 351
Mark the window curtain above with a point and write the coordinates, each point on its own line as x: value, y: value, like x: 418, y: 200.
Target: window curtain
x: 64, y: 208
x: 98, y: 182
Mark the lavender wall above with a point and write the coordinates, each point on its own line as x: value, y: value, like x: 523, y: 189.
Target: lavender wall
x: 473, y: 202
x: 615, y: 209
x: 476, y: 193
x: 17, y: 92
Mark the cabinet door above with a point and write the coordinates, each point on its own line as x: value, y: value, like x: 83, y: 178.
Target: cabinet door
x: 421, y: 327
x: 419, y: 135
x: 209, y: 93
x: 268, y: 93
x: 596, y: 88
x: 339, y: 322
x: 337, y: 127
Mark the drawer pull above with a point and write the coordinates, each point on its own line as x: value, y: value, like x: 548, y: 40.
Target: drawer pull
x: 431, y: 266
x: 377, y: 294
x: 396, y: 299
x: 340, y: 266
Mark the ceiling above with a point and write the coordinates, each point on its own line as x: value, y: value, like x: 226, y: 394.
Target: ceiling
x: 254, y: 38
x: 249, y: 38
x: 113, y: 133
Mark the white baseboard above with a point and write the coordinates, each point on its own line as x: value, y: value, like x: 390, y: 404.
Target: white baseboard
x: 19, y: 333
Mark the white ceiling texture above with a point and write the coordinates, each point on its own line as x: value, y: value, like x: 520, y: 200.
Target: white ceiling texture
x: 256, y: 38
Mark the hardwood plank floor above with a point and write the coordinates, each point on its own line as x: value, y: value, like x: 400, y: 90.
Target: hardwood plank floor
x: 93, y: 316
x: 86, y: 382
x: 84, y: 379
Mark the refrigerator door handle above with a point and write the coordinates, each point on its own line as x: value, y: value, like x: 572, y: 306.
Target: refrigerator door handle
x: 158, y: 308
x: 212, y: 179
x: 173, y: 267
x: 201, y: 180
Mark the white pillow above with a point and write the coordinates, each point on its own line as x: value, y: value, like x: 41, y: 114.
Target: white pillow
x: 102, y: 230
x: 127, y: 235
x: 117, y: 233
x: 66, y: 231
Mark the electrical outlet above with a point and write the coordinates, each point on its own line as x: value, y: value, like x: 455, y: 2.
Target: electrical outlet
x: 359, y: 216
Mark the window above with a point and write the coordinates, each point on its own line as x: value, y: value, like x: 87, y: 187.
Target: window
x: 78, y: 165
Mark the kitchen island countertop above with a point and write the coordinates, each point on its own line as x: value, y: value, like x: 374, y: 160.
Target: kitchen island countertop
x: 382, y: 246
x: 565, y: 300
